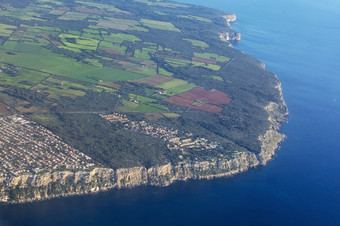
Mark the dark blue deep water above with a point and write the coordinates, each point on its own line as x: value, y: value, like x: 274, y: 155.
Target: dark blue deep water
x: 299, y: 40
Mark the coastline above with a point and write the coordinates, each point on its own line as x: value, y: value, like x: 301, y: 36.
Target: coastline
x: 66, y: 183
x: 30, y: 188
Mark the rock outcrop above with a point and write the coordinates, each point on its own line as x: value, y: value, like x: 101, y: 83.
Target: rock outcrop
x: 230, y: 35
x: 27, y: 188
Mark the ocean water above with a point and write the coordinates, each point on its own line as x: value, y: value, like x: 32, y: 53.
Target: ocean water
x: 299, y: 41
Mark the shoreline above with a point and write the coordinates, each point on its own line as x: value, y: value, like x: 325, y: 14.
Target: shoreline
x: 104, y: 179
x: 32, y: 188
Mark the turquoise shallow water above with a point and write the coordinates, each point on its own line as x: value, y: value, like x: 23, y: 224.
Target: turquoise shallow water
x: 299, y: 41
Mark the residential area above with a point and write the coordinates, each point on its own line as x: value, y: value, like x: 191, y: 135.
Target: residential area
x: 175, y: 139
x: 26, y: 147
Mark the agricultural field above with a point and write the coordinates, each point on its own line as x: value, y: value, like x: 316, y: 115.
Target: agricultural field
x: 106, y: 7
x: 120, y: 24
x: 212, y: 56
x: 197, y: 43
x: 77, y: 42
x: 120, y: 37
x: 161, y: 25
x: 112, y: 48
x: 137, y: 103
x: 176, y: 86
x: 196, y: 18
x: 32, y: 56
x: 199, y: 98
x: 6, y: 30
x: 73, y: 16
x: 163, y: 4
x: 155, y: 80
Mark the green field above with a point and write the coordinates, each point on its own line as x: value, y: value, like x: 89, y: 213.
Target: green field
x: 177, y: 62
x: 120, y: 37
x: 196, y: 18
x: 34, y: 56
x: 198, y: 43
x: 25, y: 78
x: 141, y: 99
x: 58, y: 91
x: 212, y: 56
x: 119, y: 24
x: 142, y: 107
x: 209, y: 66
x: 73, y: 16
x: 143, y: 70
x: 162, y: 4
x: 76, y: 42
x: 176, y: 86
x: 57, y: 12
x: 142, y: 54
x: 27, y: 14
x: 161, y: 25
x: 6, y: 30
x: 105, y: 7
x: 115, y: 47
x: 162, y: 71
x: 171, y: 115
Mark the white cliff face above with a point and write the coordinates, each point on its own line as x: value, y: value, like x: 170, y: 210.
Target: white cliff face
x: 271, y: 139
x: 65, y: 183
x: 230, y: 35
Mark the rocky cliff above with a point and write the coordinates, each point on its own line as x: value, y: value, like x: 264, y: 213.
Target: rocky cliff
x: 230, y: 35
x: 57, y: 184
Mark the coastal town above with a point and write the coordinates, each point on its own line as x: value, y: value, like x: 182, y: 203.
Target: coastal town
x: 26, y: 147
x: 175, y: 139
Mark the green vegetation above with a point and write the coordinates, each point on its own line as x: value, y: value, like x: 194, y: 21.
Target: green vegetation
x: 212, y: 56
x: 142, y: 54
x: 196, y: 18
x: 171, y: 115
x: 177, y: 62
x: 73, y: 16
x: 176, y: 86
x: 119, y: 24
x: 163, y: 4
x: 6, y: 30
x: 76, y: 42
x: 105, y: 7
x: 111, y: 46
x: 198, y: 43
x: 120, y: 37
x: 161, y: 25
x: 162, y: 71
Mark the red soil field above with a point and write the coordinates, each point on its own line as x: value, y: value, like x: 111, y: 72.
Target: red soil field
x: 199, y: 98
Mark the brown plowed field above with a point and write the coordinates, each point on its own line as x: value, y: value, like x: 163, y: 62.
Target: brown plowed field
x: 155, y: 80
x: 199, y: 98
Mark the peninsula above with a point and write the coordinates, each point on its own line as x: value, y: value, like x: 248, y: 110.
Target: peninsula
x: 104, y: 94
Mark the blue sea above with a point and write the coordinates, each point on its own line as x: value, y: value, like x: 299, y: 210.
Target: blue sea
x: 299, y: 40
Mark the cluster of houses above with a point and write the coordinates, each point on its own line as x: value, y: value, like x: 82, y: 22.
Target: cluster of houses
x: 26, y: 147
x: 175, y: 139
